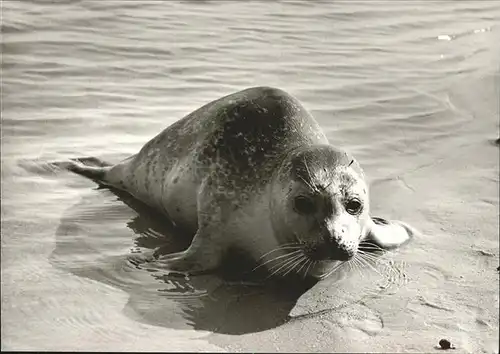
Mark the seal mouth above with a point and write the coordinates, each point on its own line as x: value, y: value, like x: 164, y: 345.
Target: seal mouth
x: 341, y: 255
x: 316, y: 252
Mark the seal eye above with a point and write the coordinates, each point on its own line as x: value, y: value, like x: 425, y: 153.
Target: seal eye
x: 353, y: 206
x: 304, y: 205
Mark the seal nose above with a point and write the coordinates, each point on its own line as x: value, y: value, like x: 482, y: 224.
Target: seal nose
x: 340, y: 248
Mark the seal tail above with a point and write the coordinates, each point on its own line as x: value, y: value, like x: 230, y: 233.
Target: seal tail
x: 89, y: 167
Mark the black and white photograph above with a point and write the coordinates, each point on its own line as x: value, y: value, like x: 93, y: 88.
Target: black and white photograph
x: 261, y: 176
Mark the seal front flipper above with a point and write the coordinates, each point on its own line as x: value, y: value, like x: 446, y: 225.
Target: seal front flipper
x: 200, y: 257
x: 388, y: 234
x: 208, y: 244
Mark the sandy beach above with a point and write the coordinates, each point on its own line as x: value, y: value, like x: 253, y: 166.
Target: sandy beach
x: 410, y: 88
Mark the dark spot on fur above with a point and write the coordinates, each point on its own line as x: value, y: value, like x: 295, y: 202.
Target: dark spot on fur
x: 175, y: 180
x: 259, y: 123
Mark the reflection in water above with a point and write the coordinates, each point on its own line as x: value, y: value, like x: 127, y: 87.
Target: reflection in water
x: 91, y: 242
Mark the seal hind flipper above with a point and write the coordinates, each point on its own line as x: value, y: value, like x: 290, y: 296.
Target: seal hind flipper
x: 89, y: 167
x: 92, y: 161
x: 389, y: 234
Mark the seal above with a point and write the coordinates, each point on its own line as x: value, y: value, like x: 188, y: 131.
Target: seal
x: 253, y: 171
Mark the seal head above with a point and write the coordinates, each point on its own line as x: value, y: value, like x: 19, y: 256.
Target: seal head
x: 319, y: 201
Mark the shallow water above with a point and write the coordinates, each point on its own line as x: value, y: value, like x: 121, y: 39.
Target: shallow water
x: 410, y: 88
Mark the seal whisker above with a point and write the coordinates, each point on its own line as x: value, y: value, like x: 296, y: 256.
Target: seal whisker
x: 371, y: 247
x: 283, y: 264
x: 329, y: 184
x: 314, y: 264
x: 368, y: 255
x: 388, y: 278
x: 369, y: 250
x: 305, y: 260
x: 310, y: 185
x: 309, y: 266
x: 351, y: 266
x: 276, y: 258
x: 309, y: 262
x: 370, y: 262
x: 286, y: 264
x: 365, y: 258
x: 295, y: 264
x: 283, y: 247
x: 348, y: 265
x: 393, y: 271
x: 359, y: 265
x: 373, y: 254
x: 338, y: 266
x: 283, y: 259
x: 290, y: 264
x: 367, y: 245
x: 373, y: 251
x: 307, y: 183
x: 287, y: 268
x: 370, y: 266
